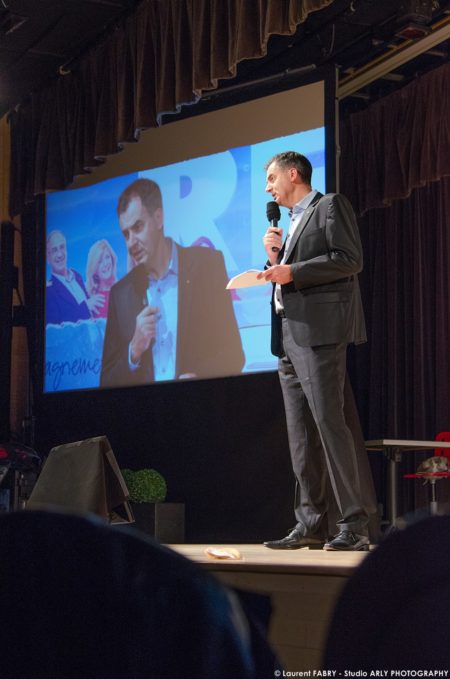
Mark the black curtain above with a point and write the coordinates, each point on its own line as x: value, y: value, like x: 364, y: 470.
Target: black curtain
x: 164, y: 55
x: 403, y: 373
x: 396, y: 171
x: 399, y: 143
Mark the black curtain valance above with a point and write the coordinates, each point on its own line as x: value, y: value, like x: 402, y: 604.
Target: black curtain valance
x: 164, y: 55
x: 398, y: 144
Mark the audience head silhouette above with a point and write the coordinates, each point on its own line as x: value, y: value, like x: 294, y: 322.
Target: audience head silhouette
x: 81, y: 599
x: 394, y: 613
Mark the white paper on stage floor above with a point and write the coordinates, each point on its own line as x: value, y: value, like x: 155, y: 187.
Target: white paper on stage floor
x: 223, y: 553
x: 246, y: 279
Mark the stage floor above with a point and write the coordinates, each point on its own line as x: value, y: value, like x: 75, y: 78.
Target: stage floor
x: 303, y: 586
x: 258, y: 559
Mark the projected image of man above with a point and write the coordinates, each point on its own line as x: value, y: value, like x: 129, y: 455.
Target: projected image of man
x: 170, y: 317
x: 66, y: 295
x: 316, y: 313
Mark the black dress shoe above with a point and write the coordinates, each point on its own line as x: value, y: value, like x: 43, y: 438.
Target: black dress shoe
x: 347, y: 541
x: 295, y: 540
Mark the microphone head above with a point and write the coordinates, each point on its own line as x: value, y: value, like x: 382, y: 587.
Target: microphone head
x: 273, y: 211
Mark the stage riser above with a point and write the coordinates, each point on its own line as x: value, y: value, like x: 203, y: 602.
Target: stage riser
x: 302, y: 606
x: 303, y: 585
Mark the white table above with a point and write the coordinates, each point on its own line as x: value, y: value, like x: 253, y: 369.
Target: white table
x: 393, y: 450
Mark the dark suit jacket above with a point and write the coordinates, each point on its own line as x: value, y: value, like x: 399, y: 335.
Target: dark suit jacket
x: 323, y: 303
x: 61, y: 305
x: 208, y: 340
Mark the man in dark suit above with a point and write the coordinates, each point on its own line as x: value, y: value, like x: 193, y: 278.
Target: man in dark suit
x: 170, y: 317
x: 67, y: 299
x: 316, y: 313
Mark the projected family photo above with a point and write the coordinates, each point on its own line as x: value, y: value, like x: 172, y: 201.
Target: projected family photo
x: 137, y: 268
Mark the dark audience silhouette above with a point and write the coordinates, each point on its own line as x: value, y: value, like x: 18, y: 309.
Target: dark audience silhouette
x: 81, y: 599
x: 394, y: 612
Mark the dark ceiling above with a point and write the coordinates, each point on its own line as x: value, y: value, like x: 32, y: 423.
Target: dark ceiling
x: 38, y: 38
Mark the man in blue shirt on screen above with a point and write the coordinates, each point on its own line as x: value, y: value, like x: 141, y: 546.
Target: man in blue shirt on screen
x: 170, y: 317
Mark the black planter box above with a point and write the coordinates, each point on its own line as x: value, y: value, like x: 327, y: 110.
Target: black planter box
x: 164, y: 521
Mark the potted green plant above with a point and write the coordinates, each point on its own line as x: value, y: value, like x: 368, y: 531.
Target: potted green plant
x: 145, y: 485
x: 162, y: 520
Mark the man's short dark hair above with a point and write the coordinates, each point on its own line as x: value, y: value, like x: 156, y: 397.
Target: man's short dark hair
x: 289, y: 159
x: 145, y: 189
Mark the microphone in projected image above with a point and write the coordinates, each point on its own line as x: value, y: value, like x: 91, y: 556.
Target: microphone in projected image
x: 273, y: 215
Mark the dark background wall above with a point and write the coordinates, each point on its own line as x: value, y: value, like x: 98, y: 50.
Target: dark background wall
x: 220, y: 444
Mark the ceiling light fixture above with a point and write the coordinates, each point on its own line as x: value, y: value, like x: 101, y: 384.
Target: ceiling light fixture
x: 413, y: 17
x: 412, y: 31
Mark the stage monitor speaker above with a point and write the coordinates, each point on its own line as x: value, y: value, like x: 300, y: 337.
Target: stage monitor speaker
x: 83, y: 477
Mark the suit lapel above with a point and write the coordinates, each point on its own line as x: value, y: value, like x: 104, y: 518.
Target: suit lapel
x: 135, y: 299
x: 66, y: 295
x: 185, y: 299
x: 137, y: 289
x: 301, y: 225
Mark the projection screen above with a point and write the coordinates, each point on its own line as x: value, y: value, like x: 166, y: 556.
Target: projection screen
x: 210, y: 171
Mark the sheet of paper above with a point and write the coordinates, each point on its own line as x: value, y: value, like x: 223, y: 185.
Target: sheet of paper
x: 223, y: 553
x: 246, y: 279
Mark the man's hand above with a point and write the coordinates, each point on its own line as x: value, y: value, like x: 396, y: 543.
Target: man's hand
x: 95, y: 303
x: 279, y: 273
x: 273, y: 238
x: 144, y: 332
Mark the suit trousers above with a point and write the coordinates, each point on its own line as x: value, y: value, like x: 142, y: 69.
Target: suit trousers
x: 321, y: 443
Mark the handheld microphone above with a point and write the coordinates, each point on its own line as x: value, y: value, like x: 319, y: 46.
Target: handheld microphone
x: 273, y: 215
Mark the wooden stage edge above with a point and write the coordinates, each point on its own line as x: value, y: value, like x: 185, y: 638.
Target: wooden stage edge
x: 303, y: 586
x: 260, y: 559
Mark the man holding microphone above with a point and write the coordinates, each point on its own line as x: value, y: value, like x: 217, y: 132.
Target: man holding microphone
x: 316, y: 313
